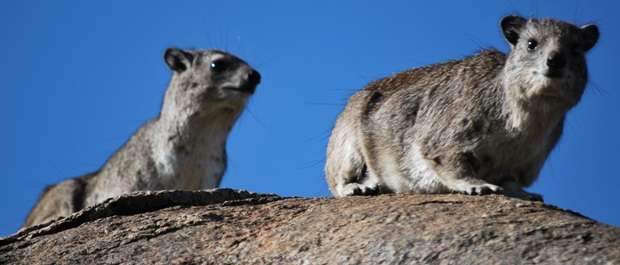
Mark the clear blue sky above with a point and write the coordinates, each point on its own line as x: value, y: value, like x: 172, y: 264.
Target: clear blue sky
x: 79, y: 77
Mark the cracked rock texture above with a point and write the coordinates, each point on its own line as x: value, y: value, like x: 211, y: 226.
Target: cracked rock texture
x: 237, y: 227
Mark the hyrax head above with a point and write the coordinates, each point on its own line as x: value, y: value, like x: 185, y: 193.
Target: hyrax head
x: 209, y: 78
x: 547, y: 60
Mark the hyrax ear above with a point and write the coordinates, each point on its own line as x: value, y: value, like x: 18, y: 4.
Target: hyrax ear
x: 511, y: 27
x: 589, y: 35
x: 178, y: 60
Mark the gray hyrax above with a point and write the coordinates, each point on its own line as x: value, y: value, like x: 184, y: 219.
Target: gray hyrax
x: 484, y: 124
x: 183, y: 148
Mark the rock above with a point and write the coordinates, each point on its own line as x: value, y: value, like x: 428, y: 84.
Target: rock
x: 237, y: 227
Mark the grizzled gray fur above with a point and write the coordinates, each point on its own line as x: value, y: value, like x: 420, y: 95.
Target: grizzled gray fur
x: 183, y: 148
x: 484, y: 124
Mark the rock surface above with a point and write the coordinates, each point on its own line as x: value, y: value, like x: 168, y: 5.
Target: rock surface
x: 236, y: 227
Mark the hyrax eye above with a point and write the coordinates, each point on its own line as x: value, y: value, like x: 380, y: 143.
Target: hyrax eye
x: 532, y: 44
x: 219, y: 66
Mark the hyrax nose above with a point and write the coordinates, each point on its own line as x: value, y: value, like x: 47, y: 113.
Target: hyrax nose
x: 254, y: 77
x: 556, y: 60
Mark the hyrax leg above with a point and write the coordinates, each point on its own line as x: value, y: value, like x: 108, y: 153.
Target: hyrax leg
x: 458, y: 173
x: 345, y: 168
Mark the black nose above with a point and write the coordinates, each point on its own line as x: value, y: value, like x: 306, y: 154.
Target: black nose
x: 254, y: 77
x: 556, y: 60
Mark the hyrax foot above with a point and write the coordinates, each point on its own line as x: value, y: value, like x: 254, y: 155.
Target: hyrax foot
x: 353, y: 189
x: 482, y: 189
x: 476, y: 189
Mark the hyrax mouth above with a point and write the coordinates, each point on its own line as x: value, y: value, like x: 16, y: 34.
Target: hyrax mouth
x: 245, y: 88
x: 554, y: 73
x: 248, y: 86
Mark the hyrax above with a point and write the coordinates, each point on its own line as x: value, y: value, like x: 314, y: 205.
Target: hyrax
x: 484, y: 124
x: 183, y: 148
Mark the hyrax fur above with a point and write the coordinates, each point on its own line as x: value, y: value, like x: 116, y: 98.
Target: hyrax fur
x: 183, y: 148
x: 484, y: 124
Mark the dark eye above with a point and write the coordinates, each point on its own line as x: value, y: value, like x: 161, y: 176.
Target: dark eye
x: 219, y: 66
x: 531, y: 44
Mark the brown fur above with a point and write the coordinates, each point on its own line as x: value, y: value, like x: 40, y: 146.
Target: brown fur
x: 478, y: 125
x: 183, y: 148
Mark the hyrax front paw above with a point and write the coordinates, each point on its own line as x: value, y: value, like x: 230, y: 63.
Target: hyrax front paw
x: 477, y: 189
x: 353, y: 189
x: 483, y: 189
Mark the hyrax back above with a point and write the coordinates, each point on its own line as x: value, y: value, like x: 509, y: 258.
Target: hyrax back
x: 183, y: 148
x: 479, y: 125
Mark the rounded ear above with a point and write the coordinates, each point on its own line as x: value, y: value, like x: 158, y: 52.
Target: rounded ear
x: 177, y: 59
x: 589, y: 35
x: 511, y: 27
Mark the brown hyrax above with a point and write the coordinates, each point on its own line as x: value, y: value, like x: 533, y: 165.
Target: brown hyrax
x: 484, y: 124
x: 183, y: 148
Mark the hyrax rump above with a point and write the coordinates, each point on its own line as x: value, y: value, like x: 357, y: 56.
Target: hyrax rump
x: 484, y: 124
x: 183, y: 148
